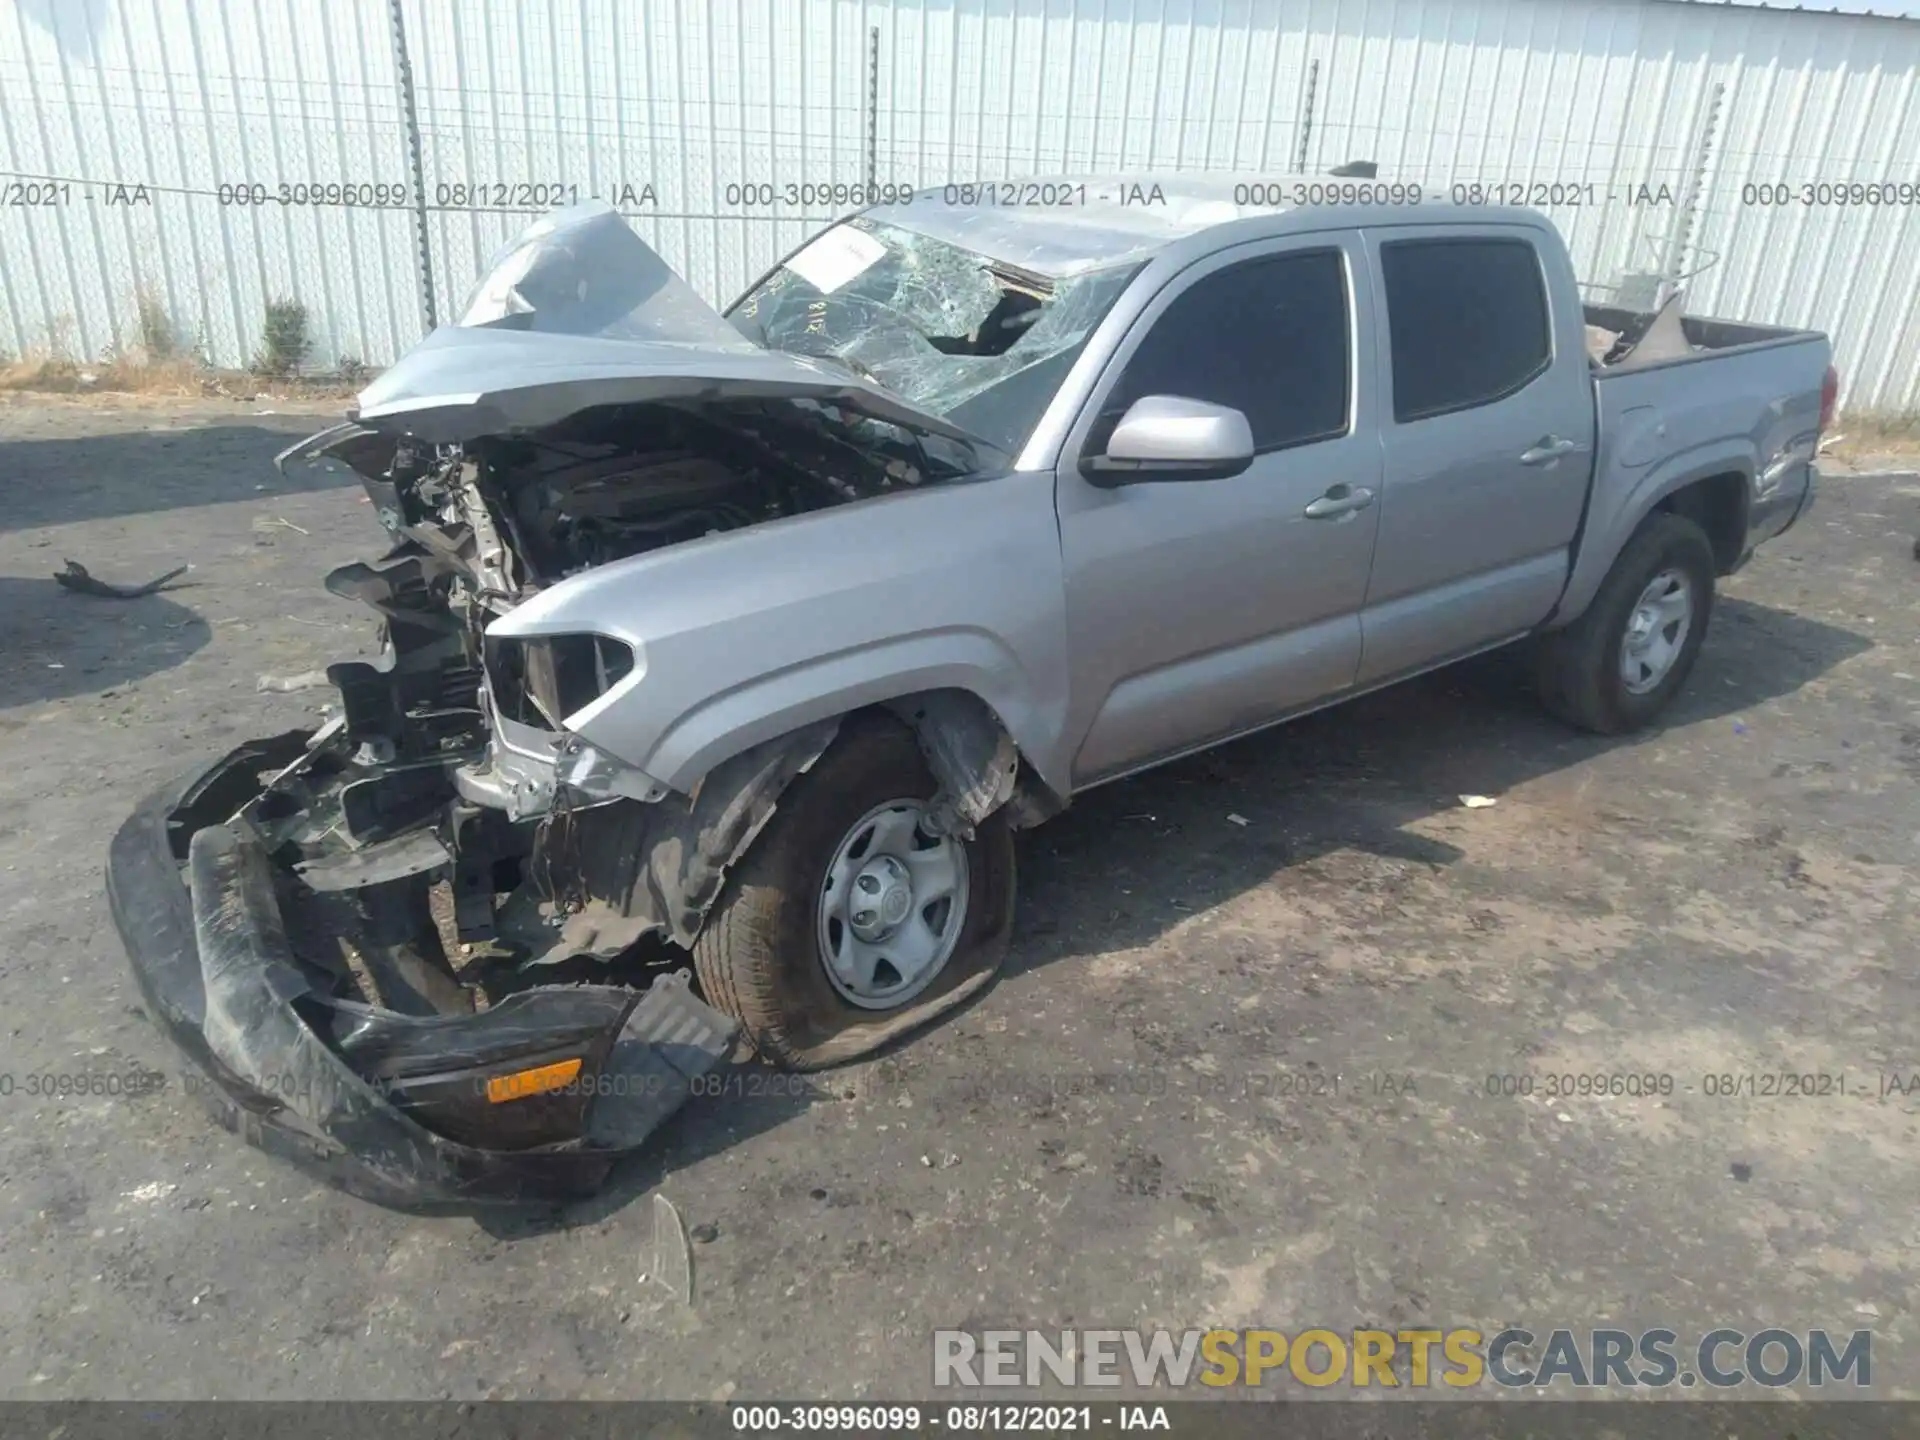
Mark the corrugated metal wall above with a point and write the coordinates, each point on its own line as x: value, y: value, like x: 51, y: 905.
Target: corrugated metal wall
x: 665, y: 105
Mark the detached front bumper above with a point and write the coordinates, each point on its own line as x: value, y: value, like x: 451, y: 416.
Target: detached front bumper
x: 533, y: 1099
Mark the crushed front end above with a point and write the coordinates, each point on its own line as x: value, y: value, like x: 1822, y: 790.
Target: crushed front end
x: 437, y: 944
x: 306, y: 976
x: 429, y: 945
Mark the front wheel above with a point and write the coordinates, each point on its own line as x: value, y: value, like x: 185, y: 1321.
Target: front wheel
x: 1619, y: 665
x: 850, y: 921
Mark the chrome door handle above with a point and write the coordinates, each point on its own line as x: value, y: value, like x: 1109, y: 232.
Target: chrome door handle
x: 1340, y: 500
x: 1551, y: 447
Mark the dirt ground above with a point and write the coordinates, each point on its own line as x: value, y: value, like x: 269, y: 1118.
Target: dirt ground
x: 1236, y: 1074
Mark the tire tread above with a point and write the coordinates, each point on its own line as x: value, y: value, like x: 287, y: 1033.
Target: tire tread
x: 1572, y: 666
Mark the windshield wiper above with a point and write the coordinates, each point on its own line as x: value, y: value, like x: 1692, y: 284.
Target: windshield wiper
x: 1029, y: 282
x: 858, y: 367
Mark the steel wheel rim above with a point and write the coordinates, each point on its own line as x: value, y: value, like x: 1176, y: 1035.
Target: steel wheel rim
x: 892, y: 906
x: 1656, y: 632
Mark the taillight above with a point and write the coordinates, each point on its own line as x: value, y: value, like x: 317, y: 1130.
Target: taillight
x: 1829, y: 397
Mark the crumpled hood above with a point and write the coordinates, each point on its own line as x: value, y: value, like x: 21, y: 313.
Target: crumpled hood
x: 460, y: 384
x: 581, y: 312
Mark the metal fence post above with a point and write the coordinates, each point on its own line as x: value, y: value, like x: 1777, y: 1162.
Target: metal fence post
x: 873, y: 108
x: 1672, y: 263
x: 1306, y: 118
x: 410, y: 117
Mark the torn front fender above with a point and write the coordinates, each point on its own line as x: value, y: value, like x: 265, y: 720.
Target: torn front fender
x: 632, y: 869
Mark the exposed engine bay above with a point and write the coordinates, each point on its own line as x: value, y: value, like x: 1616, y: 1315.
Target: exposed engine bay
x: 619, y: 481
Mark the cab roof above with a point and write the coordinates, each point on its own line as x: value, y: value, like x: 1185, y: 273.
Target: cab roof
x: 1064, y: 225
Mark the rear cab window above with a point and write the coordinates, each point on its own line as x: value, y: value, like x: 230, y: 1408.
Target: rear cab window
x: 1467, y: 319
x: 1269, y: 337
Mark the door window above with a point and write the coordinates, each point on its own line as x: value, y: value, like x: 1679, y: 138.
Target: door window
x: 1269, y: 337
x: 1467, y: 320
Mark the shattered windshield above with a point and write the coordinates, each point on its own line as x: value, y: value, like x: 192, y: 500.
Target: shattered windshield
x: 955, y: 333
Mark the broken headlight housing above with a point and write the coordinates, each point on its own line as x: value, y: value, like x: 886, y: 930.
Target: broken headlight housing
x: 540, y: 680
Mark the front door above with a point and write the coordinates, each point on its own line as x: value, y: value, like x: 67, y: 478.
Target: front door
x: 1198, y: 609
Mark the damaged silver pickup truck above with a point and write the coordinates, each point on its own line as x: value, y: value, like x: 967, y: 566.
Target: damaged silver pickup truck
x: 753, y: 638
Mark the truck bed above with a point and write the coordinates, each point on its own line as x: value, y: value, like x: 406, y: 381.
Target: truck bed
x: 1664, y: 420
x: 1644, y: 338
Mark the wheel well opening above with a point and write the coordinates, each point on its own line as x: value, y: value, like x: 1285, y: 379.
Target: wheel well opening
x: 1718, y: 505
x: 974, y: 755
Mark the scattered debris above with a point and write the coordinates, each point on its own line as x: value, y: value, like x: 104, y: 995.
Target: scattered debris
x: 287, y: 684
x: 1600, y: 342
x: 76, y: 579
x: 1477, y: 802
x: 672, y: 1265
x: 1738, y: 728
x: 279, y: 520
x: 1233, y: 819
x: 1742, y: 1171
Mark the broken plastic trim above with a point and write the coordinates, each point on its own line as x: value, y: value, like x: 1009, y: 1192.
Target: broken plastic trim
x: 973, y: 758
x: 365, y: 1097
x: 624, y: 872
x: 540, y: 680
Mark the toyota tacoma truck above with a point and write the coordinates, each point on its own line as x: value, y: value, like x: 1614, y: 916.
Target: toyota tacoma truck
x: 722, y: 655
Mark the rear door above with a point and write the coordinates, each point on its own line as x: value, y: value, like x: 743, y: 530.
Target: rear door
x: 1487, y: 441
x: 1197, y: 609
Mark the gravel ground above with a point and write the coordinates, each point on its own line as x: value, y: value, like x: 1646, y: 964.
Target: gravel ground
x: 1236, y: 1073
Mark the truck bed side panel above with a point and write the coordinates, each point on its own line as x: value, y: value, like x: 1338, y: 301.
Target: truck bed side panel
x: 1753, y: 412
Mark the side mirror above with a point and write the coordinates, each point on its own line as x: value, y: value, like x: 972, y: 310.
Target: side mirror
x: 1169, y: 437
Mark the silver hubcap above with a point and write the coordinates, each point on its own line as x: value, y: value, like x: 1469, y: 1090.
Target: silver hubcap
x: 1656, y: 631
x: 892, y: 907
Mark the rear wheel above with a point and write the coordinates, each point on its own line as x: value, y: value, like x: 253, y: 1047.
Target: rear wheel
x: 850, y: 921
x: 1622, y: 662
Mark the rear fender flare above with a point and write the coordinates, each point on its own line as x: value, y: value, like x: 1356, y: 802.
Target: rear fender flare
x: 1605, y: 535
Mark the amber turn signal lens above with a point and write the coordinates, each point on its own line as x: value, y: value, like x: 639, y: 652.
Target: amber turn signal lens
x: 537, y: 1081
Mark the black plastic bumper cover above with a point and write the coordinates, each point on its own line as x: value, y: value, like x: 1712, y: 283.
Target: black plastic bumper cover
x: 210, y: 955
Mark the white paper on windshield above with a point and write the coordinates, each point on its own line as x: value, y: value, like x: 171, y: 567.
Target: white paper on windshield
x: 840, y: 255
